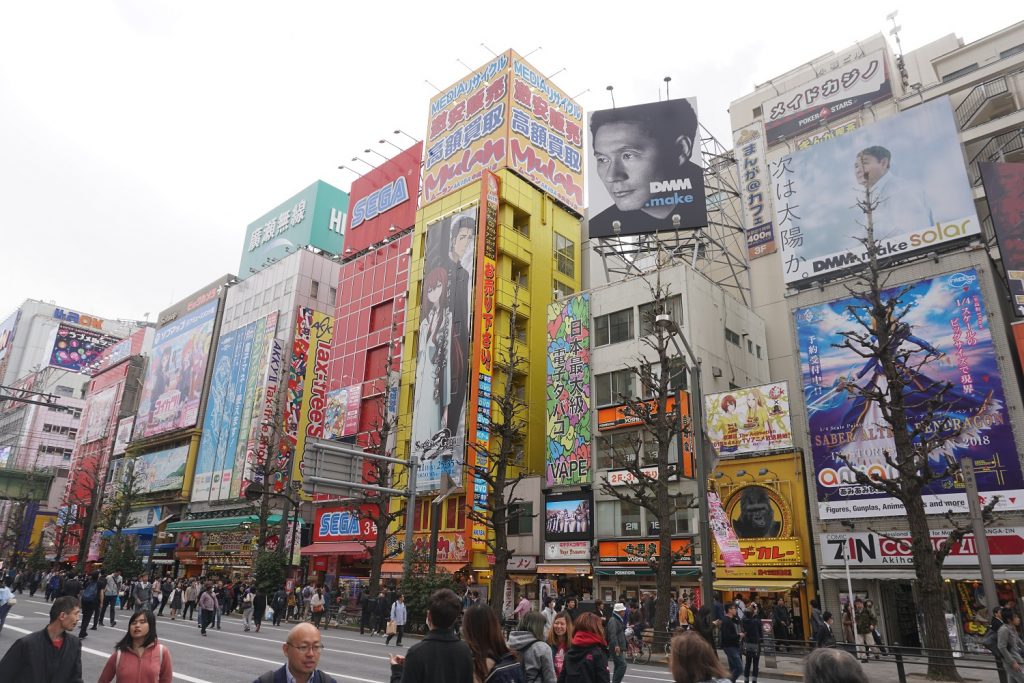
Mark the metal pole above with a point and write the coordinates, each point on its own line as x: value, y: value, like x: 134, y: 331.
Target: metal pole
x: 295, y: 531
x: 435, y: 529
x: 410, y: 516
x: 988, y: 580
x: 849, y: 582
x: 707, y: 571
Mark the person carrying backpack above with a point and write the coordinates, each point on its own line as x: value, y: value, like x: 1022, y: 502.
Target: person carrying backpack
x: 90, y: 603
x: 493, y: 661
x: 534, y: 654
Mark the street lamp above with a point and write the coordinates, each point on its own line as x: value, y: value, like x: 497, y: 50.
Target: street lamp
x: 707, y: 579
x: 255, y: 491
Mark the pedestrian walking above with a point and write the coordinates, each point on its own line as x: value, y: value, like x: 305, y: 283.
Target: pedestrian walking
x: 166, y: 588
x: 751, y: 642
x: 399, y: 616
x: 71, y: 587
x: 367, y: 607
x: 316, y: 606
x: 191, y: 596
x: 302, y: 654
x: 817, y: 620
x: 615, y: 634
x: 825, y: 637
x: 830, y: 664
x: 7, y: 601
x: 527, y: 641
x: 692, y: 660
x: 111, y: 592
x: 1010, y: 646
x: 440, y: 657
x: 207, y: 608
x: 493, y: 661
x: 177, y: 600
x: 279, y: 603
x: 52, y: 655
x: 155, y: 593
x: 90, y: 602
x: 305, y: 607
x: 849, y: 630
x: 731, y: 634
x: 782, y: 625
x: 222, y: 594
x: 247, y: 608
x: 140, y: 593
x: 259, y: 606
x: 865, y: 621
x: 587, y: 658
x: 704, y: 625
x: 139, y: 657
x: 560, y: 640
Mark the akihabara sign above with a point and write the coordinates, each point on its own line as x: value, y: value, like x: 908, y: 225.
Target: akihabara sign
x: 505, y: 115
x: 890, y: 548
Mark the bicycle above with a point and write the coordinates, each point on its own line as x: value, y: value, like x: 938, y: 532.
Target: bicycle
x: 638, y: 651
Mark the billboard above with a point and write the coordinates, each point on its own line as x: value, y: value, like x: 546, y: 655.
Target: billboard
x: 307, y: 386
x: 946, y: 315
x: 912, y: 163
x: 262, y: 430
x: 568, y: 517
x: 890, y: 547
x: 162, y: 470
x: 755, y: 190
x: 77, y: 349
x: 124, y: 435
x: 342, y: 524
x: 569, y: 423
x: 174, y: 377
x: 831, y: 96
x: 646, y: 169
x: 505, y: 115
x: 98, y: 408
x: 316, y: 217
x: 1004, y: 191
x: 442, y: 356
x: 643, y: 551
x: 342, y: 413
x: 384, y: 200
x: 749, y: 420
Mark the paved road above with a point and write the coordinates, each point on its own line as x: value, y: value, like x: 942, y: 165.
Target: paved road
x: 231, y: 655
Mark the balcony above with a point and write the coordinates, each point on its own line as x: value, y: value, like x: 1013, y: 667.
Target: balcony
x: 1008, y: 146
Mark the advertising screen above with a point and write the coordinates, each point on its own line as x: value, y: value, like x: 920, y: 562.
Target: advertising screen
x: 749, y: 420
x: 383, y: 199
x: 78, y: 349
x: 568, y: 517
x: 946, y: 314
x: 443, y: 360
x: 914, y: 167
x: 174, y: 377
x: 162, y: 470
x: 646, y: 172
x: 98, y: 408
x: 569, y: 424
x: 1004, y: 191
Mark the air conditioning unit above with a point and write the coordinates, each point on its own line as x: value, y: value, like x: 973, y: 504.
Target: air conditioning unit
x: 716, y: 371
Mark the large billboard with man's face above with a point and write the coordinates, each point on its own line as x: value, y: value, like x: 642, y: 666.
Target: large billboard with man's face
x: 946, y: 316
x: 914, y: 168
x: 1004, y: 190
x: 646, y: 173
x: 442, y: 356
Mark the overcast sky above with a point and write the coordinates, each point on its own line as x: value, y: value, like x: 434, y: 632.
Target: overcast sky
x: 139, y: 138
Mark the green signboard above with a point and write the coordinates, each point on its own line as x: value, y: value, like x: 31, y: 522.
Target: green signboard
x: 315, y: 217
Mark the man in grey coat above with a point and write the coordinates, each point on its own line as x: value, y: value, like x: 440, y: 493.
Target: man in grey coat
x: 615, y: 634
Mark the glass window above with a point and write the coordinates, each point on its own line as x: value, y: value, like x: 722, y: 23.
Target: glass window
x: 617, y: 449
x: 314, y: 289
x: 521, y: 221
x: 631, y: 523
x: 614, y: 327
x: 606, y: 518
x: 610, y: 387
x: 758, y: 350
x: 333, y: 293
x: 520, y: 519
x: 732, y: 337
x: 677, y: 380
x: 565, y: 255
x: 672, y: 305
x: 289, y: 284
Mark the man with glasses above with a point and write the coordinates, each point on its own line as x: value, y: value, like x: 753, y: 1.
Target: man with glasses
x: 302, y: 649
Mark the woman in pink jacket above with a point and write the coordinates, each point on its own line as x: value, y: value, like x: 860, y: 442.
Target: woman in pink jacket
x: 139, y: 657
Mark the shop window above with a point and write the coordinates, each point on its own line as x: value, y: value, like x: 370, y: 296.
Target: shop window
x: 520, y: 519
x: 610, y: 387
x: 630, y: 518
x: 649, y: 313
x: 614, y: 327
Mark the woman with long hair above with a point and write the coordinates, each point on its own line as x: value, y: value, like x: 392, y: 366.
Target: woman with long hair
x: 692, y: 660
x: 587, y: 658
x: 139, y: 657
x: 492, y: 658
x: 528, y: 642
x: 705, y: 625
x: 433, y: 369
x: 560, y: 639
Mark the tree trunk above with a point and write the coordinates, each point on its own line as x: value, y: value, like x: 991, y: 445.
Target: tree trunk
x: 379, y: 545
x: 665, y: 559
x: 499, y: 519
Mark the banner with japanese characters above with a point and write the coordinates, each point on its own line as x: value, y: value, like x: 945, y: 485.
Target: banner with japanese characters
x: 569, y: 418
x: 750, y: 420
x: 755, y: 190
x: 78, y: 349
x: 920, y: 200
x: 946, y: 317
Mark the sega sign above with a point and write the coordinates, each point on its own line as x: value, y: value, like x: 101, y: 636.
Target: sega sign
x: 383, y: 199
x: 343, y: 524
x: 380, y: 201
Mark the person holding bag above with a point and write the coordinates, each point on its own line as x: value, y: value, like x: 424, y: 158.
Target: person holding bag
x: 139, y: 657
x: 751, y: 642
x: 7, y: 601
x: 316, y: 606
x: 399, y: 616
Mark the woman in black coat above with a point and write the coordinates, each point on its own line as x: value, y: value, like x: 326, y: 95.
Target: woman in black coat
x: 751, y: 640
x: 259, y: 607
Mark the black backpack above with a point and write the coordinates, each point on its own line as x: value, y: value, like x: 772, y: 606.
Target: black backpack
x: 91, y: 593
x: 508, y: 669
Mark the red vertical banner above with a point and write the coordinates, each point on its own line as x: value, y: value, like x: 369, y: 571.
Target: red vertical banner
x: 485, y: 311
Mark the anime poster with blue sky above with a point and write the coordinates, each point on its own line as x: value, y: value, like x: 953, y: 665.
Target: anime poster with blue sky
x: 946, y: 315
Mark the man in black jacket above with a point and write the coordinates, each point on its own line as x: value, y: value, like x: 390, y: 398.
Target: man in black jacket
x: 50, y: 655
x: 730, y: 634
x: 440, y: 657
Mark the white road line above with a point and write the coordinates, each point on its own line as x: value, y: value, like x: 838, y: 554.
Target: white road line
x: 106, y: 655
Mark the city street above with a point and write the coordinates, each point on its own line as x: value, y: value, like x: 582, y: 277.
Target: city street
x: 232, y: 656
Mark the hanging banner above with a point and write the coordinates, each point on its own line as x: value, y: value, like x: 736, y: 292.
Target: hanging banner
x: 725, y: 536
x: 569, y: 421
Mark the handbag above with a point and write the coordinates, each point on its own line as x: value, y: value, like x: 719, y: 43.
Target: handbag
x: 12, y: 601
x: 392, y: 628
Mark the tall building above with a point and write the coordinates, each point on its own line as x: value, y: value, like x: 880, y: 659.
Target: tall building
x: 914, y: 128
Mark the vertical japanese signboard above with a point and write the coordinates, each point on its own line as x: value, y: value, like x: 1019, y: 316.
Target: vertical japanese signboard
x: 569, y: 421
x: 316, y: 346
x: 755, y: 190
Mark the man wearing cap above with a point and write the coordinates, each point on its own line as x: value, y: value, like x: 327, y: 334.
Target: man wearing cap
x: 615, y: 634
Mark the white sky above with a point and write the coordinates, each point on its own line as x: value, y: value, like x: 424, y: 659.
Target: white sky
x: 139, y: 138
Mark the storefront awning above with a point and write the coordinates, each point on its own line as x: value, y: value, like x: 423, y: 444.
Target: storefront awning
x: 563, y: 568
x: 340, y: 548
x: 644, y: 571
x: 756, y: 585
x: 134, y: 531
x: 219, y: 524
x: 395, y: 569
x: 951, y: 573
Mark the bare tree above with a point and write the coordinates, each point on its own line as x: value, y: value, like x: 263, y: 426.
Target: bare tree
x: 918, y: 413
x: 650, y: 477
x: 499, y: 464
